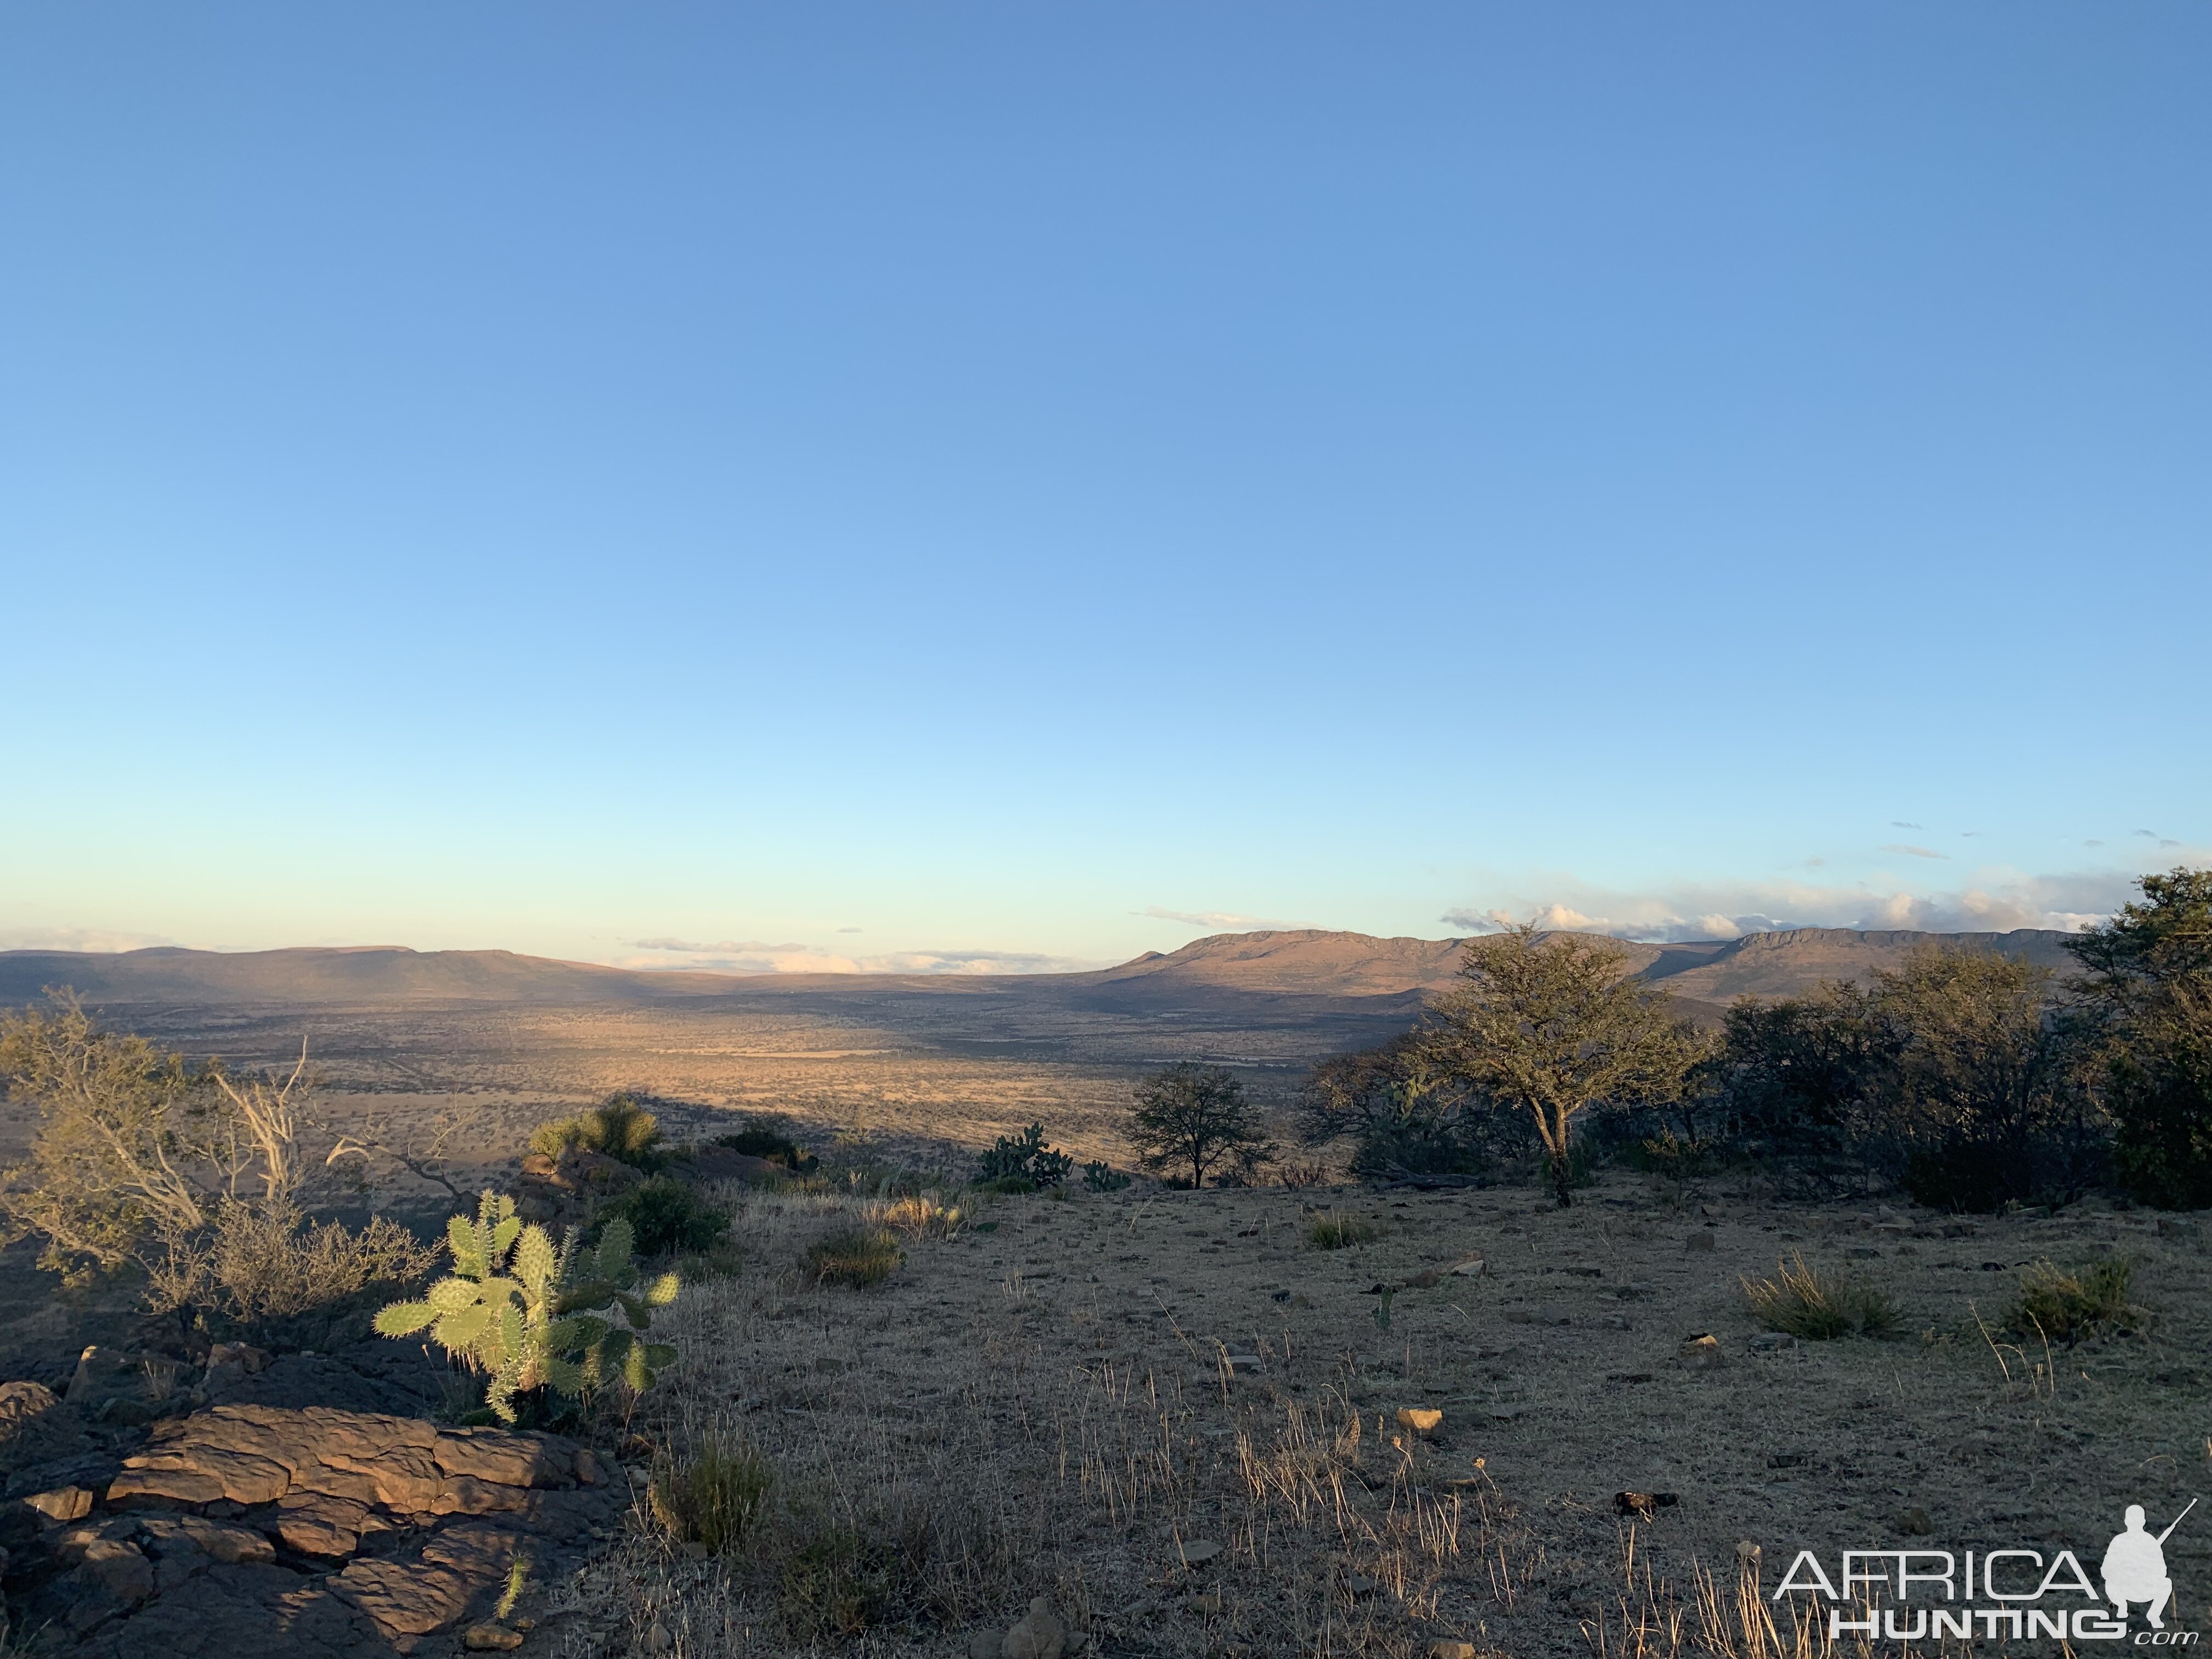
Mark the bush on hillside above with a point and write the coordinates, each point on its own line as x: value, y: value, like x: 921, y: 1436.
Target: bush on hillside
x: 618, y: 1128
x: 665, y: 1217
x: 761, y: 1138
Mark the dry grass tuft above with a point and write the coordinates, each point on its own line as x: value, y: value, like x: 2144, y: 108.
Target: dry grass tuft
x: 2066, y: 1304
x: 1818, y: 1306
x: 854, y: 1257
x: 1331, y: 1232
x: 714, y: 1495
x: 922, y: 1215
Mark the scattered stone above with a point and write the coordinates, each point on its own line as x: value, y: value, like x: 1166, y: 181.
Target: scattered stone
x: 1701, y: 1240
x: 1507, y: 1413
x: 1772, y: 1342
x: 20, y: 1402
x: 1197, y: 1552
x: 657, y: 1639
x: 1444, y: 1648
x: 62, y: 1503
x: 1469, y: 1267
x: 1913, y: 1523
x: 1427, y: 1279
x: 1701, y: 1353
x: 491, y: 1638
x: 1863, y: 1253
x: 1747, y: 1555
x: 1423, y: 1420
x: 1548, y: 1313
x: 1240, y: 1361
x: 986, y: 1644
x: 1644, y: 1505
x: 1206, y: 1607
x: 1040, y: 1635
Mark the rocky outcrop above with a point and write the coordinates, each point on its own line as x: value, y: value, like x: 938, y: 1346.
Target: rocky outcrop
x: 257, y: 1530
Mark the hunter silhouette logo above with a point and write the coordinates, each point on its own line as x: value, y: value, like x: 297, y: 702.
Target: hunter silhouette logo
x: 2135, y: 1567
x: 1999, y: 1595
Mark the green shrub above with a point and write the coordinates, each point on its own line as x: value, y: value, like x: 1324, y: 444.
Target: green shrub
x: 1331, y: 1232
x: 854, y: 1257
x: 714, y: 1495
x: 665, y: 1217
x: 1804, y: 1302
x: 1010, y: 1186
x: 1100, y: 1177
x: 620, y: 1128
x: 1024, y: 1156
x: 761, y: 1138
x: 838, y: 1582
x: 2064, y: 1305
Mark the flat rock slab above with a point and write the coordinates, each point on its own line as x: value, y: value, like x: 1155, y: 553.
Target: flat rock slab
x: 246, y: 1530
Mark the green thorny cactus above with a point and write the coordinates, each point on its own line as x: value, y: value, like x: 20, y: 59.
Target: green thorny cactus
x: 531, y: 1315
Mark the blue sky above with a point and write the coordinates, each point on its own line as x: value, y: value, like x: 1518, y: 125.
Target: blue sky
x: 974, y: 485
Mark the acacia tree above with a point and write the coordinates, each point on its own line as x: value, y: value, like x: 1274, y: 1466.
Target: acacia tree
x: 1194, y: 1116
x: 1551, y: 1024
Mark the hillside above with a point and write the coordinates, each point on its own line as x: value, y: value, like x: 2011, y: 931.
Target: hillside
x: 1338, y: 966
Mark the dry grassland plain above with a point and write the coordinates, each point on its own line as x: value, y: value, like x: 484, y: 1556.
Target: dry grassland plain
x: 1069, y: 1402
x: 1072, y: 1396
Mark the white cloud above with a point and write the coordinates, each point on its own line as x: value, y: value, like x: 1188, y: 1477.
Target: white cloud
x: 1915, y: 852
x: 98, y: 940
x: 1222, y: 921
x: 752, y: 956
x: 1994, y: 901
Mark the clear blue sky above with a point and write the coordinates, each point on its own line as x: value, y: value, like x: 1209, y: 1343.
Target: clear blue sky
x: 966, y: 484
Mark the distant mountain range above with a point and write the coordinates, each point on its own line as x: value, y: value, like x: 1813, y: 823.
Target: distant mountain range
x: 1277, y: 967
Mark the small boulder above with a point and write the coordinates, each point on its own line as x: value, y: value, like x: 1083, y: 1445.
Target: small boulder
x: 1700, y: 1241
x: 1197, y: 1552
x: 491, y: 1638
x: 986, y: 1644
x: 1444, y: 1648
x: 1423, y: 1420
x: 1040, y: 1635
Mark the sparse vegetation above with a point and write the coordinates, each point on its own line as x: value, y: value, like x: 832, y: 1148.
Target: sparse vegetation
x: 2065, y: 1305
x: 666, y: 1217
x: 714, y: 1495
x: 1330, y: 1231
x: 762, y: 1138
x: 921, y: 1214
x: 1818, y: 1305
x: 618, y: 1128
x: 256, y: 1263
x: 838, y: 1582
x: 1023, y: 1157
x: 853, y: 1257
x: 193, y: 1176
x: 1193, y: 1116
x: 528, y: 1317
